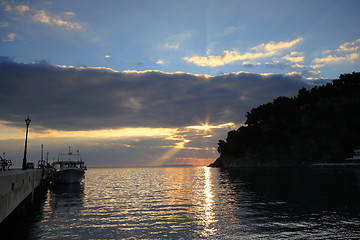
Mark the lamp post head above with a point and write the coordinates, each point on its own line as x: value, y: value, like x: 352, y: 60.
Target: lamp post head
x: 27, y: 121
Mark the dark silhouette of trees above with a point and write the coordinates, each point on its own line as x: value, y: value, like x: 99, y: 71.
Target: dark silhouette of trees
x: 321, y: 124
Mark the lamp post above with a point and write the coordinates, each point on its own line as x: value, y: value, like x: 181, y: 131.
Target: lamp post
x: 27, y: 121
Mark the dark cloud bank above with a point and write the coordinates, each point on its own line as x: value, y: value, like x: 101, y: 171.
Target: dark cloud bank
x: 93, y: 98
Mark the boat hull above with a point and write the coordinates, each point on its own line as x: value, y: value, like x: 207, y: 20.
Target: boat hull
x: 69, y: 176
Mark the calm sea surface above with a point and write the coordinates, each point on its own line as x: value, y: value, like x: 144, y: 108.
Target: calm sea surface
x: 201, y: 203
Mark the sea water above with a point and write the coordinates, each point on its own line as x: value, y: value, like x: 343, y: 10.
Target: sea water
x: 200, y: 203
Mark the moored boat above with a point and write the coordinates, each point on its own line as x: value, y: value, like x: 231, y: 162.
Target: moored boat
x: 356, y: 156
x: 69, y: 170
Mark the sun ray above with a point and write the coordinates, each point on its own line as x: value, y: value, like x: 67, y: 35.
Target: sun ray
x: 207, y: 126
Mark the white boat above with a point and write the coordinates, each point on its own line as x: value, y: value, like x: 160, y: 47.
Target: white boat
x: 69, y: 170
x: 356, y: 156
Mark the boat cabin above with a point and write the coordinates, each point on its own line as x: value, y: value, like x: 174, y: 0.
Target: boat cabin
x: 69, y: 164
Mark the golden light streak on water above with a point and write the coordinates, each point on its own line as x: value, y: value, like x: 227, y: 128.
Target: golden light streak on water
x: 209, y: 216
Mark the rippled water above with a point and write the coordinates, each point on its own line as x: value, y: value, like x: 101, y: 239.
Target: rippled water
x: 201, y: 202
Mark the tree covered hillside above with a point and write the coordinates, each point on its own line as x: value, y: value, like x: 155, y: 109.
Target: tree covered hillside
x: 318, y: 125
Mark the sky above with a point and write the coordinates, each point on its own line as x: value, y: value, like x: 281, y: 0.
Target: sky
x: 158, y: 82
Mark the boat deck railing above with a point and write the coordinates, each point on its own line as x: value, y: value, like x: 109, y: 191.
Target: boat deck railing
x: 5, y: 164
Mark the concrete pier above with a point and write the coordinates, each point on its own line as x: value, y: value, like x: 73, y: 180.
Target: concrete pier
x: 18, y: 185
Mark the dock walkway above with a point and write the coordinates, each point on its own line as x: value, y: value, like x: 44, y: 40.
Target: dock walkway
x: 17, y: 185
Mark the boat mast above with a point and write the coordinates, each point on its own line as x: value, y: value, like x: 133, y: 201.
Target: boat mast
x: 69, y: 153
x: 42, y: 152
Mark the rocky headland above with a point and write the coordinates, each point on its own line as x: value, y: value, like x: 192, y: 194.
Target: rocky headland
x: 319, y: 125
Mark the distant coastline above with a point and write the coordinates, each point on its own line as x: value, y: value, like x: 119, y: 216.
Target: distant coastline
x: 174, y: 165
x: 156, y: 166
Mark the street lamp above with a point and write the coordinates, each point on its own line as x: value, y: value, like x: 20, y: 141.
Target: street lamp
x: 27, y: 121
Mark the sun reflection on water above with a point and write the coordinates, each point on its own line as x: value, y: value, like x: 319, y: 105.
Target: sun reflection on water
x: 209, y: 217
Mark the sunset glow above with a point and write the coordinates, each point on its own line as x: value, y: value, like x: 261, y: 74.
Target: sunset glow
x: 104, y: 133
x: 208, y: 127
x: 168, y: 80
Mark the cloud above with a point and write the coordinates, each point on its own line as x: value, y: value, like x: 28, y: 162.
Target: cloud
x: 10, y: 37
x: 349, y: 46
x: 261, y: 51
x: 273, y: 46
x: 295, y: 57
x: 278, y: 64
x: 316, y: 66
x: 331, y: 59
x: 8, y: 8
x: 69, y: 13
x: 129, y: 118
x: 326, y: 52
x: 4, y: 24
x: 70, y: 98
x: 298, y: 66
x: 226, y: 58
x: 171, y: 46
x: 310, y: 77
x: 160, y: 62
x: 42, y: 17
x: 347, y: 52
x: 22, y: 8
x: 250, y: 64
